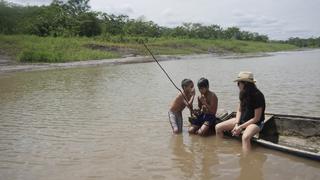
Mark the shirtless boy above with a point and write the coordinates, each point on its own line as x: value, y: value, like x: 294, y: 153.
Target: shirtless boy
x: 179, y: 103
x: 208, y: 104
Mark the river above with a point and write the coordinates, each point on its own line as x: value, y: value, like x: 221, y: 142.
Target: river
x: 110, y: 122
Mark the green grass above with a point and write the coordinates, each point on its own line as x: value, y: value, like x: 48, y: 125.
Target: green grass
x: 222, y: 46
x: 49, y: 49
x: 26, y: 48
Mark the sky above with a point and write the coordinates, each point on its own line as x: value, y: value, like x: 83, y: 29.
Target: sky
x: 279, y: 19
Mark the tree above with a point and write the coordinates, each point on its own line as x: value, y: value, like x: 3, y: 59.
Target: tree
x: 141, y: 27
x: 76, y: 7
x: 310, y: 42
x: 114, y: 24
x: 232, y: 33
x: 74, y: 18
x: 89, y: 25
x: 47, y: 21
x: 179, y: 31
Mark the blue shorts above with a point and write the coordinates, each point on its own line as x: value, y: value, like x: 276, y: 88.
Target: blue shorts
x: 209, y: 119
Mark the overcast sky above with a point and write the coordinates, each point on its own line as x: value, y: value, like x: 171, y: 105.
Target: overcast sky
x: 279, y: 19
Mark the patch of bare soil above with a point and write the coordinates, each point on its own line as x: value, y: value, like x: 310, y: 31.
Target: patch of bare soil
x: 5, y: 60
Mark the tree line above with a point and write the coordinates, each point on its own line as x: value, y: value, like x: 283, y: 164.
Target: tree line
x: 307, y: 42
x: 75, y: 18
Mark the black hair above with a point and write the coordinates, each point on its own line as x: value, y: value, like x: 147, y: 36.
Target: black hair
x: 203, y: 83
x: 185, y: 83
x: 246, y: 96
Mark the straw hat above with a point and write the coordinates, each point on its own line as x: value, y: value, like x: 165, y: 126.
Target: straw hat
x: 245, y: 76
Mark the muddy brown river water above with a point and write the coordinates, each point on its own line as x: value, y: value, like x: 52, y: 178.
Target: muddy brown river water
x: 110, y: 122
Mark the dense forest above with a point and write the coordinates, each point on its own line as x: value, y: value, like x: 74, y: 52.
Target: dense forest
x: 75, y: 18
x: 70, y: 30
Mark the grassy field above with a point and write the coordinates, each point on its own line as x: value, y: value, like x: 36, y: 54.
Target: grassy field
x: 25, y: 48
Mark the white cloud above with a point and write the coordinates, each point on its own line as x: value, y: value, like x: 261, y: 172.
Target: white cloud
x: 126, y: 9
x: 168, y: 13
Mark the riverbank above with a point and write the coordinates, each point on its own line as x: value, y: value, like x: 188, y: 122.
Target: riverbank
x: 23, y: 67
x: 29, y: 53
x: 47, y: 66
x: 26, y: 48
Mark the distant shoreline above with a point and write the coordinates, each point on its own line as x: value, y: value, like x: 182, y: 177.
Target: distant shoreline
x: 25, y: 67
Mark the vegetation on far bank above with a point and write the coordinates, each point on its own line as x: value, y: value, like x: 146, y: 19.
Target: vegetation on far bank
x: 27, y: 48
x: 70, y: 31
x: 71, y: 18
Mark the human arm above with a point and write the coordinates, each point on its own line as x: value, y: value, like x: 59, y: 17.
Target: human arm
x: 258, y: 105
x: 236, y: 130
x: 256, y: 118
x: 190, y: 105
x: 211, y: 105
x: 199, y: 102
x: 190, y: 102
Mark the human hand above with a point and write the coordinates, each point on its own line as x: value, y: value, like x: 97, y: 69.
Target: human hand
x: 196, y: 112
x: 203, y: 99
x: 236, y: 130
x: 204, y: 108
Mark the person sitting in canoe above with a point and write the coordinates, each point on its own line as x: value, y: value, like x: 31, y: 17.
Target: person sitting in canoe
x: 208, y: 104
x: 250, y: 113
x: 179, y: 103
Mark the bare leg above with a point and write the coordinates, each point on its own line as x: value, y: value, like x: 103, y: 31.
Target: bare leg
x: 248, y: 133
x: 204, y: 129
x: 175, y: 120
x: 225, y: 126
x: 193, y: 129
x: 175, y: 130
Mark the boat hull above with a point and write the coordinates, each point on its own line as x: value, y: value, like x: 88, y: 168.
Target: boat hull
x: 296, y: 135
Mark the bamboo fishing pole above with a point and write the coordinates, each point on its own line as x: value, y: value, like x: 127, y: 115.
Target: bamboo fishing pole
x: 185, y: 98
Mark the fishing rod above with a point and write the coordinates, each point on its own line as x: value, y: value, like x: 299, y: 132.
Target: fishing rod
x: 185, y: 98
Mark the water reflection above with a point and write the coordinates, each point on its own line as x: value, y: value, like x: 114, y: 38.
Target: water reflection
x: 196, y: 158
x: 251, y: 165
x: 183, y: 156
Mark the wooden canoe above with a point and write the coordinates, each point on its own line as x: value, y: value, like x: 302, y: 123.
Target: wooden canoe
x: 296, y: 135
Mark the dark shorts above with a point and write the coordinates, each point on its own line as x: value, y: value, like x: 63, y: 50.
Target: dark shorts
x: 209, y: 119
x: 260, y: 124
